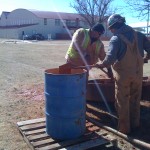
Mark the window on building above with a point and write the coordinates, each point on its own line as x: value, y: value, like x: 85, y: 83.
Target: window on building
x: 57, y: 22
x: 68, y: 22
x: 45, y: 21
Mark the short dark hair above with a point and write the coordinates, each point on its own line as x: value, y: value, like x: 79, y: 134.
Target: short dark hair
x: 98, y: 27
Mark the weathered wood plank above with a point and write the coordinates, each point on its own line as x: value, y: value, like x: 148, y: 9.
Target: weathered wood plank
x: 43, y: 142
x: 33, y: 126
x: 35, y: 131
x: 28, y: 142
x: 88, y: 124
x: 38, y: 137
x: 62, y: 144
x: 70, y: 142
x: 30, y: 121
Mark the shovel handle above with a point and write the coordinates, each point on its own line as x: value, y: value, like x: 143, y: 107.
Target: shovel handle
x: 89, y: 66
x: 83, y: 67
x: 104, y: 71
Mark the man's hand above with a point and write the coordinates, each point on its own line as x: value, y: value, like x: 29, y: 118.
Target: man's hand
x: 110, y: 73
x: 99, y: 66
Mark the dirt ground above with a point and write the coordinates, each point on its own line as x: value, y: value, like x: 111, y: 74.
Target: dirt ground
x: 22, y: 66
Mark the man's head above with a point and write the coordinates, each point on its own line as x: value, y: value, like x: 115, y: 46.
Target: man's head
x: 96, y: 31
x: 115, y: 21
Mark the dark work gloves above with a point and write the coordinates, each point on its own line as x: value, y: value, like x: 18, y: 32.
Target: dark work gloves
x: 110, y: 73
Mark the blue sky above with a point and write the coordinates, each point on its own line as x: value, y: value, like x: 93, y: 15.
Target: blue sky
x: 58, y: 5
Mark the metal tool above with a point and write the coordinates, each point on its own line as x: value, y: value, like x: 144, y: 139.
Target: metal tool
x: 66, y: 68
x: 90, y: 66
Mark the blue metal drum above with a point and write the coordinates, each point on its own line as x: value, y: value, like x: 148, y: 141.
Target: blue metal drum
x: 65, y: 96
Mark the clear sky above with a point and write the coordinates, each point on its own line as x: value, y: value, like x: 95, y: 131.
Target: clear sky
x: 59, y: 6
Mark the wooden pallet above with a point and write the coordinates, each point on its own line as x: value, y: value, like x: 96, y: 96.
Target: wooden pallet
x: 33, y: 132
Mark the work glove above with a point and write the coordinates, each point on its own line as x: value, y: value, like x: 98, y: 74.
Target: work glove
x: 99, y: 66
x: 110, y: 73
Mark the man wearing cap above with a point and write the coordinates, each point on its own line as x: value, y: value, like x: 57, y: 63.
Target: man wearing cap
x: 86, y: 47
x: 125, y: 54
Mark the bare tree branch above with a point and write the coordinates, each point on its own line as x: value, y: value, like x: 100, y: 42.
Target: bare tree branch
x: 93, y: 10
x: 140, y: 6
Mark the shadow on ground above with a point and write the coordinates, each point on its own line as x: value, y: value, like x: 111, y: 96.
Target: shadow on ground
x: 99, y: 112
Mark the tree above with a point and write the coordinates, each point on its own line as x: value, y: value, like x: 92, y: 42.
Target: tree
x: 93, y: 10
x: 142, y: 7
